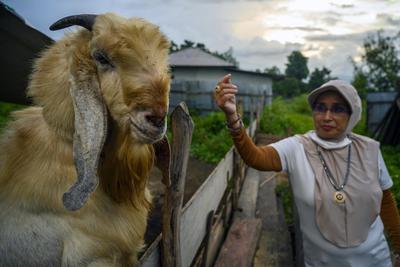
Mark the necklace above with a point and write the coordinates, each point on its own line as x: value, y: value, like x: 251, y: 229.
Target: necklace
x: 338, y: 196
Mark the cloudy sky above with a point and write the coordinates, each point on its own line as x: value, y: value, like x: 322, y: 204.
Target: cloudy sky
x: 261, y: 32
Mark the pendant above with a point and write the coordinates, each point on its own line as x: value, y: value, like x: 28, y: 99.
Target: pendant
x: 339, y: 197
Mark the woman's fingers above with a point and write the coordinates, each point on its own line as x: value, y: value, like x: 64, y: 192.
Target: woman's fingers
x: 227, y: 85
x: 228, y: 91
x: 225, y: 93
x: 225, y: 79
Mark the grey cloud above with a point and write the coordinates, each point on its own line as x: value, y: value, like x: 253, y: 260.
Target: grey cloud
x: 306, y: 29
x: 388, y: 19
x: 342, y: 6
x: 262, y: 48
x: 354, y: 37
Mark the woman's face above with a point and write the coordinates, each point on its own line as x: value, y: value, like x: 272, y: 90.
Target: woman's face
x: 331, y: 115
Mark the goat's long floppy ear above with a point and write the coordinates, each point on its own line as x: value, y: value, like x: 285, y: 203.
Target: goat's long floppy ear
x: 163, y: 159
x: 84, y: 20
x: 89, y: 137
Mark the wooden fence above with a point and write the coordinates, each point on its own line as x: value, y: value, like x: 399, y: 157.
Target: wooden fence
x: 192, y: 234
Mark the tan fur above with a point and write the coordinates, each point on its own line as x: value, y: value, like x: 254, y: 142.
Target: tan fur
x: 36, y: 159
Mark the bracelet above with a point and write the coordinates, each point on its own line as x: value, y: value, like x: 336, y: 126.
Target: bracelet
x: 230, y: 124
x: 235, y: 130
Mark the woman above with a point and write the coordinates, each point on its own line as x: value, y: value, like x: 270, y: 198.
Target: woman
x: 339, y: 179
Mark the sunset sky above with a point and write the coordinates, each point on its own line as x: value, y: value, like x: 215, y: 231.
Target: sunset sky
x: 261, y: 33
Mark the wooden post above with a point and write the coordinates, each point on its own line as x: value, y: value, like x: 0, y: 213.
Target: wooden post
x: 182, y: 129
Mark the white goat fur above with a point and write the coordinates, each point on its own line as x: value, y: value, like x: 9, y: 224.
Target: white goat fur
x: 36, y: 151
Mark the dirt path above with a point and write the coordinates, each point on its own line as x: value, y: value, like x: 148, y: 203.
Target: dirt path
x: 275, y: 244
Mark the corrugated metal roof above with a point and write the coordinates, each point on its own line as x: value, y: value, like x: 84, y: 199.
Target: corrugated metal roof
x: 196, y: 57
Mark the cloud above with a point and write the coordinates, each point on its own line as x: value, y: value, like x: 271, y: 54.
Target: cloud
x: 306, y: 29
x: 388, y: 19
x: 330, y: 32
x: 353, y: 37
x: 344, y: 6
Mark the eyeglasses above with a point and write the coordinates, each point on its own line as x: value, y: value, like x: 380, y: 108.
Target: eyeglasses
x: 335, y: 109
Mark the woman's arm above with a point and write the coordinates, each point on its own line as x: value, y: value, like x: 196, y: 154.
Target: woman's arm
x: 263, y: 158
x: 391, y: 220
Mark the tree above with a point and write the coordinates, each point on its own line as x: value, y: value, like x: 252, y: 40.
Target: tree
x: 380, y: 62
x: 288, y: 87
x: 319, y: 77
x: 360, y: 82
x: 174, y: 47
x: 297, y: 66
x: 186, y: 44
x: 274, y: 70
x: 227, y: 55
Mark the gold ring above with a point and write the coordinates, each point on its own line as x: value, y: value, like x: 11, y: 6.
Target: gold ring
x: 217, y: 89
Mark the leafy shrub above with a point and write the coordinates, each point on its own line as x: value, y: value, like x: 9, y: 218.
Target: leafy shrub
x: 211, y: 139
x: 287, y: 117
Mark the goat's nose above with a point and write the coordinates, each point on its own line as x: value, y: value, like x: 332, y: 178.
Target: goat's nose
x: 157, y: 121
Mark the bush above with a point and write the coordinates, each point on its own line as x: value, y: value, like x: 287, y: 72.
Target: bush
x: 287, y: 117
x: 210, y: 140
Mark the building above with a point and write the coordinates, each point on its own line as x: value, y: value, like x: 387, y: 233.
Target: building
x: 20, y: 44
x: 195, y: 73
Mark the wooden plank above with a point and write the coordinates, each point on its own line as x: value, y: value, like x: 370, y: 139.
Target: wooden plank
x: 182, y: 128
x: 152, y: 256
x: 240, y: 244
x: 207, y: 198
x: 248, y: 196
x: 215, y: 234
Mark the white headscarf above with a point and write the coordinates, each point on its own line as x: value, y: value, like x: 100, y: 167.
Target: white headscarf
x: 349, y: 93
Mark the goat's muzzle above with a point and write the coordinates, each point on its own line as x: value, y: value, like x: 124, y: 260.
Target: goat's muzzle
x: 157, y: 121
x: 148, y: 126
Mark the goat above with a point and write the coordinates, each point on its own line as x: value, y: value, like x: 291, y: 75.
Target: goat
x: 101, y: 100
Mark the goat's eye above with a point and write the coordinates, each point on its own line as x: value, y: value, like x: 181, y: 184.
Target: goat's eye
x: 102, y: 59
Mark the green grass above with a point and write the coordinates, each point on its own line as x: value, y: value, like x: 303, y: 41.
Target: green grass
x: 391, y: 155
x: 5, y: 110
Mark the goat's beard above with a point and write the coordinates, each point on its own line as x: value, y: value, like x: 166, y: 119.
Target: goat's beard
x: 143, y: 131
x: 125, y: 169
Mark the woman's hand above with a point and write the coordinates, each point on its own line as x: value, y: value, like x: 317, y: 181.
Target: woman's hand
x: 224, y: 95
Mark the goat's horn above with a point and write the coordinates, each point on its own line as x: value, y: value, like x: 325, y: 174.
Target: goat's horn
x: 84, y: 20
